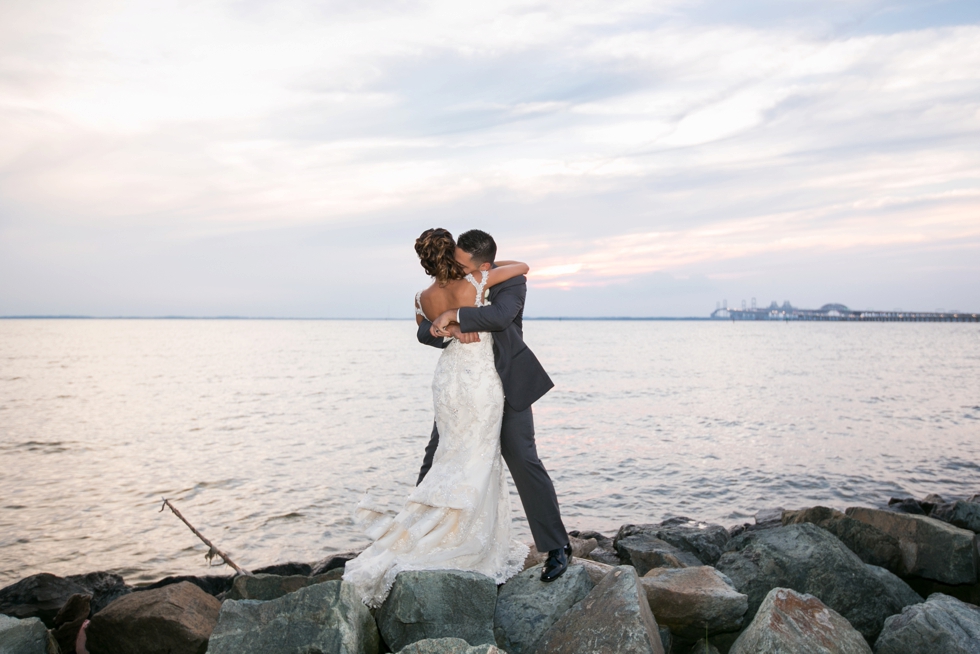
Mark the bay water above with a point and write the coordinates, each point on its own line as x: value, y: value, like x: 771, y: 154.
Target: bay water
x: 265, y: 433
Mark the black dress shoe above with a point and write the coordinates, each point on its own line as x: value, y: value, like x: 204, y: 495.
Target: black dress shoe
x: 557, y: 563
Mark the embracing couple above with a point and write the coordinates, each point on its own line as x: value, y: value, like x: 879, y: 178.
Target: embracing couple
x: 458, y: 515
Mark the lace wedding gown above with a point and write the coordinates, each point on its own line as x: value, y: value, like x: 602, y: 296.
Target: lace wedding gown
x: 458, y: 518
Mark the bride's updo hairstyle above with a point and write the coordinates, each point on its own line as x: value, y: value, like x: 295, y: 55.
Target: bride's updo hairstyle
x: 436, y: 249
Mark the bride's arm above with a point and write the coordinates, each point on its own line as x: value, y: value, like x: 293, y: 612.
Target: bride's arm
x: 506, y: 270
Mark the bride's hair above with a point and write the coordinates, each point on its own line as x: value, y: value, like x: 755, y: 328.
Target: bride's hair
x: 436, y: 248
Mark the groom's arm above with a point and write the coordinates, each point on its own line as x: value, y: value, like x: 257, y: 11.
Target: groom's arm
x: 508, y: 303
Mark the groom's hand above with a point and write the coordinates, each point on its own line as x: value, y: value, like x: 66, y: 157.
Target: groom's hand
x: 462, y: 337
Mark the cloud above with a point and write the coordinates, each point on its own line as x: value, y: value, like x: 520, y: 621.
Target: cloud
x: 605, y: 142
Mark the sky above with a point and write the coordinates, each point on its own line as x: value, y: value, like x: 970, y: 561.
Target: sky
x: 278, y: 159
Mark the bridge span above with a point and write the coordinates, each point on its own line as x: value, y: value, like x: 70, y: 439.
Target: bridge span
x: 838, y: 313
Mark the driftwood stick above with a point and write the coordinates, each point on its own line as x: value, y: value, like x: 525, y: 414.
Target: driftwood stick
x: 212, y: 550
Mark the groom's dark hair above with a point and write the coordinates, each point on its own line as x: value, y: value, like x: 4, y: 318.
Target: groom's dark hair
x: 478, y: 245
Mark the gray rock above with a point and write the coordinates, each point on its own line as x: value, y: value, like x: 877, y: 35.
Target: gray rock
x: 27, y: 636
x: 793, y: 623
x: 870, y: 543
x: 614, y: 618
x: 965, y: 515
x: 605, y: 551
x: 581, y: 548
x: 70, y: 619
x: 905, y: 505
x: 290, y: 569
x: 705, y: 541
x: 104, y: 587
x: 332, y: 562
x: 38, y: 596
x: 268, y: 586
x: 527, y: 606
x: 899, y: 592
x: 437, y: 604
x: 319, y: 619
x: 769, y: 517
x: 646, y: 552
x: 969, y: 593
x: 807, y: 559
x: 693, y: 601
x: 703, y: 647
x: 930, y: 548
x: 175, y: 618
x: 448, y: 646
x: 940, y: 624
x: 213, y: 585
x: 597, y: 571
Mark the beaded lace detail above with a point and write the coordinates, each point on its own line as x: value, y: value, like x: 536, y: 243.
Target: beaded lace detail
x: 481, y: 301
x: 459, y: 517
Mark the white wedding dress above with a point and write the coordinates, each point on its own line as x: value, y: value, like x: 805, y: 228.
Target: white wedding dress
x: 458, y: 518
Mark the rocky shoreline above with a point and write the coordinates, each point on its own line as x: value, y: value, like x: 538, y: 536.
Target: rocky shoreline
x: 900, y: 579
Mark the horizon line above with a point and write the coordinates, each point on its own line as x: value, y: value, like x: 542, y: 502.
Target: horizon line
x: 556, y: 318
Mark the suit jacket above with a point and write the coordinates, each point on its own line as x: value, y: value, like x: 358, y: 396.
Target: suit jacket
x: 524, y: 379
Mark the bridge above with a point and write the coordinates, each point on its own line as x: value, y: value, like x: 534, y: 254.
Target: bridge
x: 837, y: 313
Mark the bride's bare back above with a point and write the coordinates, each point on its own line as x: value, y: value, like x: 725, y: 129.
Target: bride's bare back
x: 459, y: 293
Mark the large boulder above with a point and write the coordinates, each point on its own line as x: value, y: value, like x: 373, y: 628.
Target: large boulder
x: 965, y: 515
x: 969, y: 593
x: 597, y: 571
x: 930, y: 548
x: 290, y: 569
x: 448, y: 646
x: 211, y: 584
x: 646, y: 552
x: 792, y: 623
x: 266, y: 587
x: 807, y: 559
x: 693, y: 601
x: 614, y: 618
x: 327, y: 617
x: 38, y: 596
x: 437, y: 604
x: 940, y: 624
x: 332, y: 562
x: 705, y: 541
x: 898, y: 592
x: 906, y: 505
x: 104, y: 587
x: 604, y: 552
x: 27, y: 636
x: 870, y: 543
x: 175, y: 618
x: 527, y: 606
x: 581, y: 548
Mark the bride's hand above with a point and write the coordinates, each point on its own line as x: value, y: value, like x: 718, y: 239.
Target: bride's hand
x: 440, y: 324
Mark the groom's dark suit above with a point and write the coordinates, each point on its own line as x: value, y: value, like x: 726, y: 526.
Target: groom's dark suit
x: 524, y: 382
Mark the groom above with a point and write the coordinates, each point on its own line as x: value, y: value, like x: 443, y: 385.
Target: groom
x: 524, y: 382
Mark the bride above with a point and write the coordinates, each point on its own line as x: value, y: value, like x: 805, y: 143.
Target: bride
x: 458, y: 517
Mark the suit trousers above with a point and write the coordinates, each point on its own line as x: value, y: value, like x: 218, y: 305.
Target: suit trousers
x: 533, y: 483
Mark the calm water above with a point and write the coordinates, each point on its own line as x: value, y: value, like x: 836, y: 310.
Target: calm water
x: 265, y: 432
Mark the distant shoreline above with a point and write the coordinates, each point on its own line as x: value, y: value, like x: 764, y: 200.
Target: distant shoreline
x: 553, y: 318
